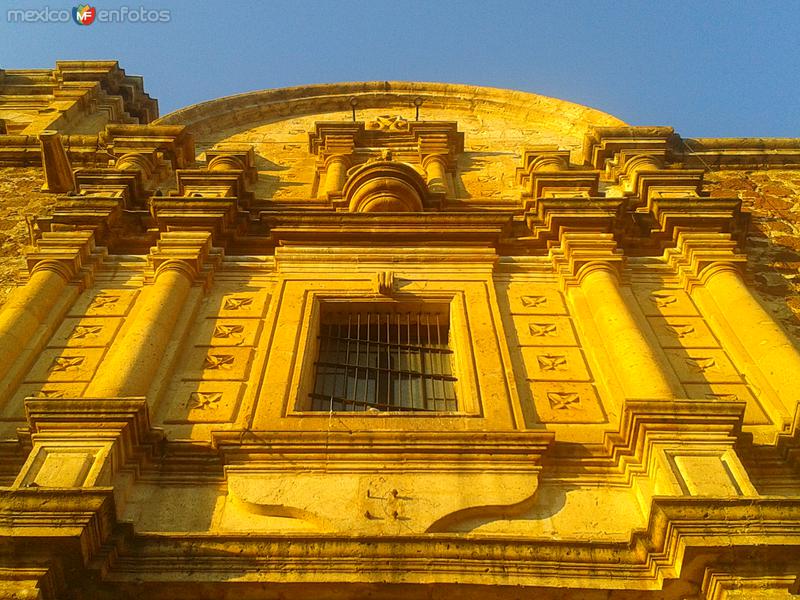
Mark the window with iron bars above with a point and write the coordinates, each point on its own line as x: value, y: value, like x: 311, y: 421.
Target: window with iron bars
x: 384, y: 358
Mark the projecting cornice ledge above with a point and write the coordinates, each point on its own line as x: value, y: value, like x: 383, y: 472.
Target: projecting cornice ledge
x: 741, y: 153
x: 685, y: 537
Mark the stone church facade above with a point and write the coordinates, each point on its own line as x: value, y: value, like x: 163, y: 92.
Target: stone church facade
x: 390, y: 340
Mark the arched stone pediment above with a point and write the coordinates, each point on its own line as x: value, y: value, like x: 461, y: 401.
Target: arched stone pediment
x: 385, y: 186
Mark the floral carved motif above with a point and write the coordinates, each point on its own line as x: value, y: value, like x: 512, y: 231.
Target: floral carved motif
x: 215, y: 362
x: 542, y: 329
x: 531, y: 301
x: 68, y: 363
x: 237, y: 302
x: 552, y: 362
x: 564, y: 400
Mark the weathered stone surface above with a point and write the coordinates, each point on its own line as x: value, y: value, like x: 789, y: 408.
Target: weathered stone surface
x: 773, y: 252
x: 515, y: 348
x: 21, y: 198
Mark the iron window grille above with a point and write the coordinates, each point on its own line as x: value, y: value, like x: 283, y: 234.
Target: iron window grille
x: 385, y: 359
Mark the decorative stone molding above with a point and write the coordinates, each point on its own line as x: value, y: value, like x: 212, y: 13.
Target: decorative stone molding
x: 697, y: 255
x: 385, y: 186
x: 611, y: 149
x: 56, y: 534
x: 687, y: 445
x: 57, y: 168
x: 85, y: 442
x: 497, y: 474
x: 190, y: 252
x: 71, y: 254
x: 426, y: 146
x: 546, y: 173
x: 213, y: 199
x: 581, y: 252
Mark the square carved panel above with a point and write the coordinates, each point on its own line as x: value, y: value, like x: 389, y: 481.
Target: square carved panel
x: 664, y: 302
x: 65, y: 364
x: 226, y: 332
x: 561, y: 402
x: 555, y: 364
x: 683, y: 332
x: 104, y: 303
x: 237, y: 304
x: 85, y: 332
x: 205, y: 402
x: 532, y: 299
x: 544, y: 330
x: 218, y: 364
x: 703, y: 366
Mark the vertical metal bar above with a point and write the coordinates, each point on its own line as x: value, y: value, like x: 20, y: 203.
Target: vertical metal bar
x: 338, y: 355
x: 322, y: 378
x: 378, y: 362
x: 366, y: 380
x: 439, y: 355
x: 347, y: 358
x: 358, y: 353
x: 428, y: 345
x: 388, y: 362
x: 408, y: 362
x: 421, y: 357
x: 399, y: 400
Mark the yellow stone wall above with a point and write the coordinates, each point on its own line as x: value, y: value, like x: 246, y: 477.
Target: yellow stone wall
x: 626, y: 357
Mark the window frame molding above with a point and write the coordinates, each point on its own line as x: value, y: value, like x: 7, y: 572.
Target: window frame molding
x: 467, y: 393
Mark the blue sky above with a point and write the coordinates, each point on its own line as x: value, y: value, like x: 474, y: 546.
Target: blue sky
x: 708, y: 69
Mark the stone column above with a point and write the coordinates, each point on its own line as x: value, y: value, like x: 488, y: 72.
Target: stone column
x: 589, y: 264
x: 60, y: 259
x: 435, y: 166
x: 177, y: 262
x: 335, y: 174
x: 727, y: 296
x: 632, y: 357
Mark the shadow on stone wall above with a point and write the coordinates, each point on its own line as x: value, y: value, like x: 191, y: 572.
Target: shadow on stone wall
x: 773, y: 243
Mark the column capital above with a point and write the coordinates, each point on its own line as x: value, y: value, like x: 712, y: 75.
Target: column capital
x: 698, y: 256
x: 190, y: 252
x: 438, y: 157
x: 581, y: 253
x: 71, y: 254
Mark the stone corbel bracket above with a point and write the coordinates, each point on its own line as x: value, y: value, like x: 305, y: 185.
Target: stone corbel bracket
x: 557, y: 198
x: 410, y: 482
x: 553, y: 216
x: 172, y: 143
x: 85, y: 442
x: 189, y: 251
x: 230, y: 172
x: 673, y: 214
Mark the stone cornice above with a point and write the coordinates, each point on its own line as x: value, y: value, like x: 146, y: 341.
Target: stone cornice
x: 682, y: 533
